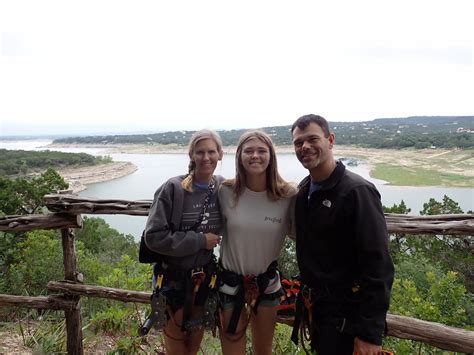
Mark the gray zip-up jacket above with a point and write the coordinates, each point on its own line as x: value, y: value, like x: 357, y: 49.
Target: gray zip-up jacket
x: 173, y: 212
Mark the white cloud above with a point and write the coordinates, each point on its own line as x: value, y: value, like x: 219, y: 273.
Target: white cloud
x: 175, y: 65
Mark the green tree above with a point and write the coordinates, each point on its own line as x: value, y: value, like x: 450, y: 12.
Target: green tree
x: 401, y: 208
x: 11, y: 199
x: 287, y: 260
x: 128, y: 274
x: 447, y: 206
x: 25, y: 196
x: 8, y: 251
x: 16, y: 163
x: 39, y: 259
x: 425, y: 291
x: 399, y: 245
x: 454, y: 253
x: 434, y: 276
x: 107, y: 243
x: 22, y: 196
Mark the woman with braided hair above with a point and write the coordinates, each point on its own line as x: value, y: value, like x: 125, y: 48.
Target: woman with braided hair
x: 183, y: 227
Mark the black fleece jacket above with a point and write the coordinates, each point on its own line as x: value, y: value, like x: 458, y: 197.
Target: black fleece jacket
x: 342, y: 241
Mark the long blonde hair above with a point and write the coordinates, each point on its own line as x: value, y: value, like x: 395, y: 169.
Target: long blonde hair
x: 277, y: 188
x: 198, y: 136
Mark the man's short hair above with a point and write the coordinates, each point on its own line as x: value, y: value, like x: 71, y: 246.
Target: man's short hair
x: 305, y: 120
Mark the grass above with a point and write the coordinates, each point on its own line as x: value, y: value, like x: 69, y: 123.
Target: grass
x: 416, y: 176
x: 418, y: 167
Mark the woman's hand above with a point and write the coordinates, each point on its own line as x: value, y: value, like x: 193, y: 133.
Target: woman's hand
x: 212, y: 240
x: 364, y: 348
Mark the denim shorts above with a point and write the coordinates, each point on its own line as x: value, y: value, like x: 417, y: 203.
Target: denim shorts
x: 174, y: 296
x: 228, y: 301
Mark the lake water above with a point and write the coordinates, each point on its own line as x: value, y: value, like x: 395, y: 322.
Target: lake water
x: 154, y: 169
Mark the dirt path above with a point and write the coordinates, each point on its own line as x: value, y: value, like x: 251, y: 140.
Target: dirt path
x: 437, y: 155
x: 12, y: 343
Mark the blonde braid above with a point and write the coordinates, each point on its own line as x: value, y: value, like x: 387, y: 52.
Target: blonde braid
x: 187, y: 183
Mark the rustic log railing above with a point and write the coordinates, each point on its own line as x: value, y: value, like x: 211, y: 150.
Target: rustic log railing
x: 66, y: 215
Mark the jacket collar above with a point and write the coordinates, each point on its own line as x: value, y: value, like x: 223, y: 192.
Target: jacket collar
x: 330, y: 182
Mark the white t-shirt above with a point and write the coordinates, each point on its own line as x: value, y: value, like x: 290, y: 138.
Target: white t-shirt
x: 254, y: 230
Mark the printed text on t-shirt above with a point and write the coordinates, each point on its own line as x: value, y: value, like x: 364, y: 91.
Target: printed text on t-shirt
x: 273, y: 219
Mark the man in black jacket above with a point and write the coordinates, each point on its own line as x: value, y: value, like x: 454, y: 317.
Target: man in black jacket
x: 341, y: 246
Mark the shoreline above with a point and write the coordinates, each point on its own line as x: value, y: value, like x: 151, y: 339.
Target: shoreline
x: 79, y: 178
x: 459, y: 163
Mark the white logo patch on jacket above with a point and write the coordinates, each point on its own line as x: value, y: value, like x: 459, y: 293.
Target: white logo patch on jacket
x: 327, y: 203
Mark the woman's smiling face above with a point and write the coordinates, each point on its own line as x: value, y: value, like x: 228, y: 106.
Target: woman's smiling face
x: 205, y: 156
x: 255, y: 156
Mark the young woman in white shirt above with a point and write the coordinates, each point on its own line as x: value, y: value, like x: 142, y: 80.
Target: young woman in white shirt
x: 257, y: 212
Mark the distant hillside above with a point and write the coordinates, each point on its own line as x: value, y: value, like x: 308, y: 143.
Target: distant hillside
x: 24, y: 162
x: 417, y: 132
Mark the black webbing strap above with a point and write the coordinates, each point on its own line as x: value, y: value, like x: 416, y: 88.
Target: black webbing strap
x: 203, y: 292
x: 188, y: 301
x: 264, y: 279
x: 239, y: 302
x: 299, y: 310
x: 188, y: 283
x: 201, y: 295
x: 239, y: 299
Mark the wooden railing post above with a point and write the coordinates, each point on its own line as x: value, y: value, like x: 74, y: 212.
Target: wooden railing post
x: 73, y: 316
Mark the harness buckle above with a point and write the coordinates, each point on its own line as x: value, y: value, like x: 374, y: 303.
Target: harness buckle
x: 159, y: 281
x: 197, y: 276
x: 212, y: 283
x: 355, y: 288
x: 307, y: 293
x: 341, y: 327
x: 251, y: 290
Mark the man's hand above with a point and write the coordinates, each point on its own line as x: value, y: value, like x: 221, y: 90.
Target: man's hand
x: 364, y: 348
x: 212, y: 240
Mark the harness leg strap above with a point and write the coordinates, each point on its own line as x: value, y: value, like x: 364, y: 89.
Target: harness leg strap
x: 238, y: 306
x: 298, y: 316
x: 188, y: 302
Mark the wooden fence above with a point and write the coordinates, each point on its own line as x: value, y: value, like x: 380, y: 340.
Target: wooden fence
x: 66, y: 215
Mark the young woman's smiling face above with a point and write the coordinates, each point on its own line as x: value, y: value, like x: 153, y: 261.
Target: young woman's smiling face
x: 255, y: 156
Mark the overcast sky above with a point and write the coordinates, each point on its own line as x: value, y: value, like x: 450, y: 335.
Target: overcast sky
x: 94, y: 66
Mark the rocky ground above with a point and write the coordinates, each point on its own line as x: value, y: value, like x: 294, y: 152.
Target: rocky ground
x: 456, y: 161
x: 18, y: 338
x: 78, y: 178
x: 13, y: 343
